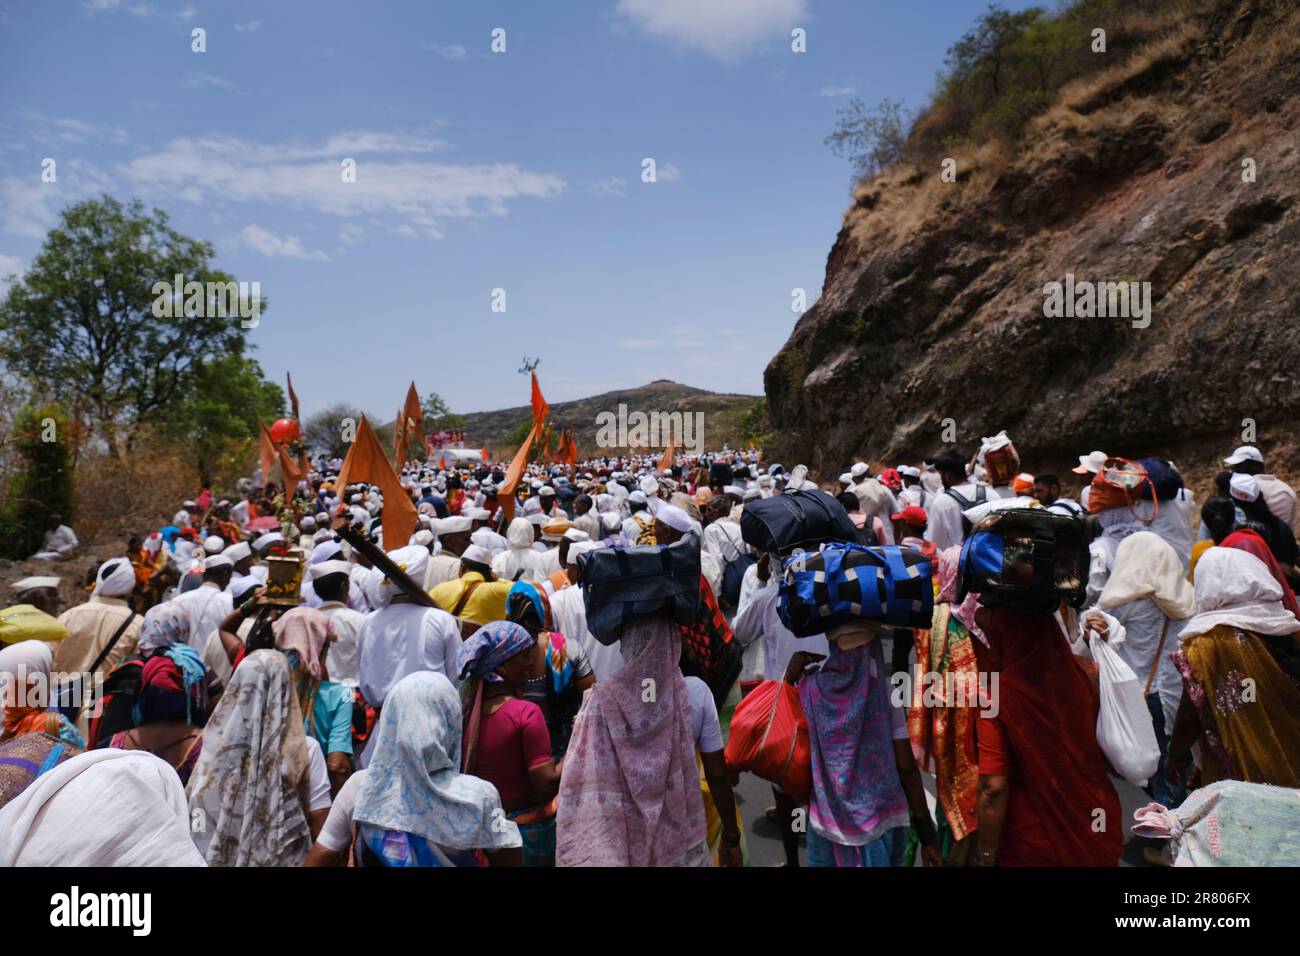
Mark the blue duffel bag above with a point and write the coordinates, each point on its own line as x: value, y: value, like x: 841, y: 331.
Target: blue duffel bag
x: 620, y: 584
x: 820, y: 590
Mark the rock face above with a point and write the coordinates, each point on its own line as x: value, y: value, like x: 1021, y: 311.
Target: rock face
x: 933, y: 302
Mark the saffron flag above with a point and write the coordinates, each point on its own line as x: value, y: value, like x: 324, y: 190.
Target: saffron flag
x: 413, y: 412
x: 666, y: 463
x: 506, y: 493
x: 399, y: 439
x: 293, y: 397
x: 290, y: 470
x: 367, y: 462
x: 540, y: 408
x: 266, y: 450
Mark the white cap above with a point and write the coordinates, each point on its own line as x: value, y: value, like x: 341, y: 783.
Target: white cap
x: 911, y: 471
x: 477, y: 554
x: 637, y: 497
x: 40, y: 581
x: 859, y: 469
x: 650, y: 485
x: 546, y: 491
x: 846, y: 478
x: 216, y: 561
x: 238, y: 551
x: 674, y: 517
x: 1244, y: 453
x: 1244, y: 487
x: 452, y: 525
x: 213, y: 544
x: 733, y: 490
x: 1090, y: 463
x: 328, y: 567
x: 576, y: 535
x: 475, y: 514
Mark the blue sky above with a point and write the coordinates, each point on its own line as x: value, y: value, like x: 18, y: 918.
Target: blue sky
x: 475, y: 170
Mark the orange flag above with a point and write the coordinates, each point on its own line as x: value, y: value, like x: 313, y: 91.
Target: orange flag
x: 293, y: 397
x: 506, y: 493
x: 266, y: 450
x: 666, y: 463
x: 540, y: 408
x: 367, y: 462
x: 290, y: 470
x: 399, y: 439
x: 414, y: 414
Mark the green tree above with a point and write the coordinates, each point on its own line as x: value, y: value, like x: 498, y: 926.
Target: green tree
x: 753, y: 424
x: 216, y: 420
x: 517, y: 435
x: 80, y: 324
x: 437, y: 414
x: 42, y: 485
x: 324, y: 431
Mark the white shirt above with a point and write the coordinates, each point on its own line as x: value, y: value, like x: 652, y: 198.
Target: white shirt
x: 318, y: 777
x: 705, y: 729
x: 943, y: 517
x: 441, y: 568
x: 342, y: 661
x: 401, y: 639
x: 206, y: 606
x: 758, y: 618
x: 336, y: 834
x: 570, y: 615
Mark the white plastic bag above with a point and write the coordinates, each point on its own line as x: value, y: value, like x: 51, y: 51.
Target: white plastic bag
x: 1124, y: 729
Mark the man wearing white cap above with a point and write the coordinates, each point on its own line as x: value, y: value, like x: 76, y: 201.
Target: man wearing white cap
x: 104, y: 623
x: 1278, y: 495
x: 209, y: 603
x: 1245, y: 492
x: 875, y: 501
x: 403, y: 637
x: 1087, y: 469
x: 453, y: 538
x: 40, y: 591
x: 639, y: 522
x: 329, y: 581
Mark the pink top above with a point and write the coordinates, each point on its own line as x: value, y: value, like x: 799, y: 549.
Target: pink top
x: 511, y: 742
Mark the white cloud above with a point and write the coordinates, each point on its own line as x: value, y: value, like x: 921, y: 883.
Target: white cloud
x: 724, y: 29
x: 350, y: 233
x: 30, y: 207
x: 9, y: 264
x: 278, y: 247
x: 637, y: 343
x: 113, y: 6
x: 209, y: 80
x: 416, y: 195
x: 667, y: 173
x: 613, y: 188
x: 837, y: 91
x: 450, y: 51
x: 185, y: 14
x: 252, y: 26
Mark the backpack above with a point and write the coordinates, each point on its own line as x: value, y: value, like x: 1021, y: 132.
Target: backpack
x: 121, y: 687
x: 709, y: 650
x: 794, y: 520
x: 891, y: 585
x: 1027, y: 558
x: 733, y: 576
x: 981, y: 496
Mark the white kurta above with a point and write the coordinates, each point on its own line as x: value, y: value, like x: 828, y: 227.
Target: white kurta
x: 206, y: 606
x: 571, y: 619
x: 342, y: 660
x: 758, y: 618
x: 401, y: 639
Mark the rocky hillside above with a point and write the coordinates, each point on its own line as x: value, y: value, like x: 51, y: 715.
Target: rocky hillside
x: 721, y: 423
x: 933, y: 302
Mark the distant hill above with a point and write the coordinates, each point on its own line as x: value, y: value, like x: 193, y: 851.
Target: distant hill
x: 721, y: 423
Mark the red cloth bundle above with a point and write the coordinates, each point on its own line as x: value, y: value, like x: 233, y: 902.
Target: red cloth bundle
x: 769, y: 738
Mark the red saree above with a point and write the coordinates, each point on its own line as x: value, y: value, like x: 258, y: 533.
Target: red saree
x: 1062, y: 809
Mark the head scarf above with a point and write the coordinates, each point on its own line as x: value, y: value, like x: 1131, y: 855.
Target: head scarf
x: 164, y: 625
x: 1146, y: 566
x: 1250, y: 542
x: 524, y: 594
x: 949, y: 573
x: 520, y: 534
x: 304, y: 630
x: 856, y: 800
x: 173, y: 684
x: 169, y: 535
x: 102, y: 808
x: 116, y: 578
x: 630, y: 792
x: 490, y: 647
x: 246, y: 786
x: 479, y: 657
x: 413, y: 559
x: 413, y: 782
x: 1235, y: 588
x: 26, y: 664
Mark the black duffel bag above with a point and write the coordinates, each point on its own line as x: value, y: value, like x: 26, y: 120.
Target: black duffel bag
x: 795, y: 519
x: 619, y: 584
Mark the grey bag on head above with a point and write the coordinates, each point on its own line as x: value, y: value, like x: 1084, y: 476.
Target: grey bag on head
x: 620, y: 584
